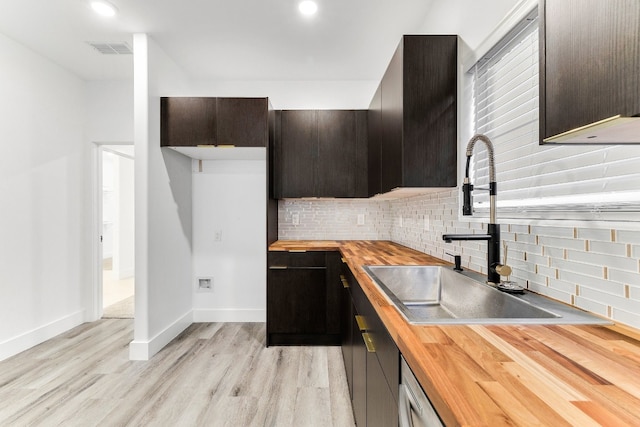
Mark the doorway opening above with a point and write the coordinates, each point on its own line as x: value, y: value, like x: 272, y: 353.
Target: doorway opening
x: 117, y: 231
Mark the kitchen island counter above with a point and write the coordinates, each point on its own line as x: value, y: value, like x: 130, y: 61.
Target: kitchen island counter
x: 490, y: 375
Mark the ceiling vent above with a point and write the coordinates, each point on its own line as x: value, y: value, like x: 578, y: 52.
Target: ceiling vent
x: 111, y: 48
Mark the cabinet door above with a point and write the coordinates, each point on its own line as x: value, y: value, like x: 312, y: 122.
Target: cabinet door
x: 429, y: 120
x: 589, y: 62
x: 187, y: 121
x: 386, y: 352
x: 359, y: 399
x: 296, y: 300
x: 336, y: 153
x: 297, y: 154
x: 382, y: 408
x: 242, y: 122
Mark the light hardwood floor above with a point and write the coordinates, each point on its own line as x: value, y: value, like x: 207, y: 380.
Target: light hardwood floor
x: 213, y: 374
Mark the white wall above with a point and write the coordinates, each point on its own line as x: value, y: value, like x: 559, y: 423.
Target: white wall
x: 109, y: 111
x: 296, y: 95
x: 163, y: 208
x: 44, y: 190
x: 229, y: 240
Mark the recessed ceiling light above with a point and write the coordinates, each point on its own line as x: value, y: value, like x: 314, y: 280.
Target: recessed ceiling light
x: 308, y: 7
x: 103, y: 8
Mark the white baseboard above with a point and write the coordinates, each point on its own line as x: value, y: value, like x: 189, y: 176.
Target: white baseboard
x: 229, y: 315
x: 144, y: 350
x: 38, y: 335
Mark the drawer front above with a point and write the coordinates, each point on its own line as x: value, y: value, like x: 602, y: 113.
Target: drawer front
x: 296, y: 259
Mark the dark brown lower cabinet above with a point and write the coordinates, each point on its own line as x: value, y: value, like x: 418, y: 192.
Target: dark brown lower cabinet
x: 372, y: 360
x: 303, y: 298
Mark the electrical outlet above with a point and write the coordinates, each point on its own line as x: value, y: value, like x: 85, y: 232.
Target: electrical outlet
x: 205, y: 284
x: 426, y: 224
x: 295, y: 218
x: 400, y: 222
x: 217, y: 236
x: 360, y: 219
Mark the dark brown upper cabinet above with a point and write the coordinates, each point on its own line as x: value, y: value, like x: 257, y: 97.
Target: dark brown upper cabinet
x: 321, y: 153
x: 589, y: 71
x: 189, y: 122
x: 413, y: 117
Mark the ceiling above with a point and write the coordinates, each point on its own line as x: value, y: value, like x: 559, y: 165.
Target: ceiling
x: 221, y: 39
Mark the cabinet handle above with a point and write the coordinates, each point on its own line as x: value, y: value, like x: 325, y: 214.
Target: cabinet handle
x: 345, y: 283
x: 277, y: 267
x: 297, y: 250
x: 362, y: 323
x: 368, y: 342
x: 344, y: 261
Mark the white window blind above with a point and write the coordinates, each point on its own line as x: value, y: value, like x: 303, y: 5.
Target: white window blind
x: 533, y: 180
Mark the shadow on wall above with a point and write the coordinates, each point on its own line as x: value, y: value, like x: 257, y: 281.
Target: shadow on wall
x: 179, y: 170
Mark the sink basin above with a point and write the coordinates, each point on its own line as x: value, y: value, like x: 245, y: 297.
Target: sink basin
x: 439, y: 295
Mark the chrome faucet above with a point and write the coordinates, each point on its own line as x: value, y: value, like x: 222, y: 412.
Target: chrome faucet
x: 494, y: 268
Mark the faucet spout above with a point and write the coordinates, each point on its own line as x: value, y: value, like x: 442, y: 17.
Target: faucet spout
x: 457, y: 237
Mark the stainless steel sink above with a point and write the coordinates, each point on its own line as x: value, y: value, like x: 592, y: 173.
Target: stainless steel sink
x: 439, y: 295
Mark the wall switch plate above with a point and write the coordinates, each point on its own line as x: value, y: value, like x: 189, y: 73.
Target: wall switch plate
x: 400, y: 222
x: 295, y: 218
x: 205, y: 284
x: 360, y: 219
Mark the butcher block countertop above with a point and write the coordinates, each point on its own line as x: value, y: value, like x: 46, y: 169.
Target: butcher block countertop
x: 492, y: 375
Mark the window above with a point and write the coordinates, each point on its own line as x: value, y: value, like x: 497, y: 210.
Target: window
x: 537, y: 181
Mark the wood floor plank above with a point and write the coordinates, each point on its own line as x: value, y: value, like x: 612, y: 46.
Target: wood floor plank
x: 210, y: 375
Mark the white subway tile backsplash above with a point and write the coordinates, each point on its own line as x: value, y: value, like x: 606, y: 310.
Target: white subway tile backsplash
x: 630, y: 318
x: 628, y: 236
x: 583, y: 279
x: 592, y: 306
x: 554, y: 252
x: 564, y: 243
x: 561, y: 285
x: 577, y: 267
x: 560, y: 253
x: 624, y: 277
x: 607, y: 298
x: 619, y: 249
x: 538, y: 259
x: 610, y: 261
x: 545, y: 271
x: 556, y: 294
x: 601, y: 234
x: 566, y: 232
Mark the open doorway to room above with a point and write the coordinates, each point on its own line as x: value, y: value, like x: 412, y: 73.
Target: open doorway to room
x: 117, y: 262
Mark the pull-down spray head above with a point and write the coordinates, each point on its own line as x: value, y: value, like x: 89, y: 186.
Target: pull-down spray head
x: 467, y: 187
